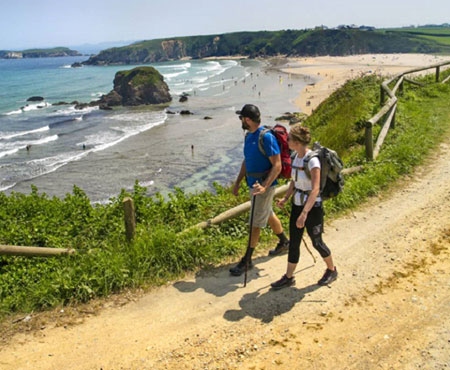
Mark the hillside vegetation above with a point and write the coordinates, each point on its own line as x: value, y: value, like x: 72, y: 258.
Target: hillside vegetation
x: 38, y: 53
x: 270, y: 43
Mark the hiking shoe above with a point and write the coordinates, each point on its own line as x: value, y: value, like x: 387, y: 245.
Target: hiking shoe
x: 283, y: 282
x: 328, y: 277
x: 239, y: 269
x: 280, y: 248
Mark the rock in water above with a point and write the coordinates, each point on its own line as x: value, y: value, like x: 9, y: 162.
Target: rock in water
x: 111, y: 99
x: 35, y: 98
x: 138, y: 86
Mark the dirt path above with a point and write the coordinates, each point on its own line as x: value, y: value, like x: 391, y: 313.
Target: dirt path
x: 389, y: 309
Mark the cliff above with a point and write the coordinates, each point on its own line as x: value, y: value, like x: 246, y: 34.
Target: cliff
x: 38, y: 53
x: 269, y: 43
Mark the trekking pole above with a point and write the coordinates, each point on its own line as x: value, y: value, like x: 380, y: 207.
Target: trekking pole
x: 306, y: 245
x: 304, y: 241
x: 249, y: 237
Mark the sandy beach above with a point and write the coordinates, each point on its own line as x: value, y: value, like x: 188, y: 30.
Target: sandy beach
x: 333, y: 72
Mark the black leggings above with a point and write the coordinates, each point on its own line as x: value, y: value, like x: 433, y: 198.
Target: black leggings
x: 314, y: 227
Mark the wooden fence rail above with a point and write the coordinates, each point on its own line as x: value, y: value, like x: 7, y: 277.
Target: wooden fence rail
x: 13, y: 250
x: 391, y: 106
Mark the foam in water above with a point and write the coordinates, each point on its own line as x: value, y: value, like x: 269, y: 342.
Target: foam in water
x: 28, y: 108
x: 146, y: 184
x: 5, y: 136
x: 72, y: 111
x: 14, y: 147
x: 130, y: 131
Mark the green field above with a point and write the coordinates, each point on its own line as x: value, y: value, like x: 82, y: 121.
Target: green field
x: 441, y: 35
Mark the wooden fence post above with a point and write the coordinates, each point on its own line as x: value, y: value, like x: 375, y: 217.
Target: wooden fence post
x: 438, y: 69
x: 381, y: 95
x: 400, y: 88
x: 393, y: 117
x: 369, y: 141
x: 130, y: 218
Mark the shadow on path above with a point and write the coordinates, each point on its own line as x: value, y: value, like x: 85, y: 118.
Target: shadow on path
x: 218, y: 281
x: 272, y: 303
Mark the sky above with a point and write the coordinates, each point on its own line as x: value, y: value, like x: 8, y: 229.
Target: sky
x: 49, y: 23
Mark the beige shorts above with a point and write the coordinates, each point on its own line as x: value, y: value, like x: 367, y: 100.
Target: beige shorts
x: 263, y: 207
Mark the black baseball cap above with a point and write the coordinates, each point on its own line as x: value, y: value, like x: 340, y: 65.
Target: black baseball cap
x: 251, y: 111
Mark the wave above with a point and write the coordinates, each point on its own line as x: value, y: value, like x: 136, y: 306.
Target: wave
x: 22, y: 133
x: 128, y: 132
x: 66, y: 66
x: 9, y: 152
x: 98, y: 93
x: 72, y: 111
x: 169, y: 76
x: 176, y: 66
x: 146, y: 184
x: 65, y: 121
x: 28, y: 108
x: 7, y: 186
x: 18, y: 111
x: 43, y: 166
x: 12, y: 148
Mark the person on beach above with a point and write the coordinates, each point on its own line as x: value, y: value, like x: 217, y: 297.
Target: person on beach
x: 307, y: 209
x: 261, y: 173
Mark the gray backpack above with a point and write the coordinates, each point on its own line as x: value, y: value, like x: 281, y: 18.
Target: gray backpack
x: 331, y: 166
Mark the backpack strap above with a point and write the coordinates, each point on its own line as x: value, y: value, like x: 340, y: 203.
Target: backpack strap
x: 296, y: 168
x: 310, y: 155
x: 264, y: 131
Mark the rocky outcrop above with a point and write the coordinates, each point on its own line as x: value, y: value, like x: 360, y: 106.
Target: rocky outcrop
x: 138, y: 86
x: 173, y: 49
x: 35, y: 98
x: 292, y: 118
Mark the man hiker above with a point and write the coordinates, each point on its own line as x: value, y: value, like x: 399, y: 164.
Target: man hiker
x: 261, y: 173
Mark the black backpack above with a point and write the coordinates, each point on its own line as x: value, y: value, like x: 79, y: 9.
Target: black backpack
x: 331, y: 166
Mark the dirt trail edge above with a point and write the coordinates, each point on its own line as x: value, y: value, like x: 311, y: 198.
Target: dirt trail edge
x: 389, y: 308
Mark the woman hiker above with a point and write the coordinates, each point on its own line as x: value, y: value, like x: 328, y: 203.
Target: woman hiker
x: 307, y: 209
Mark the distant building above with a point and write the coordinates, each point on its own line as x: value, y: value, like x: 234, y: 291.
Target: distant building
x: 14, y: 55
x: 367, y: 28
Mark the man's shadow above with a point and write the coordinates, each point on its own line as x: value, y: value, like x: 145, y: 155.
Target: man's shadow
x: 218, y: 281
x: 270, y: 304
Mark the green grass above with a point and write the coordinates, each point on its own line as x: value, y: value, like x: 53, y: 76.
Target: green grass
x: 439, y: 39
x: 438, y: 35
x: 142, y: 75
x: 106, y: 264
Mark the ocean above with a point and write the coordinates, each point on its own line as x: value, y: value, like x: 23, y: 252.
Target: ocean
x: 56, y: 147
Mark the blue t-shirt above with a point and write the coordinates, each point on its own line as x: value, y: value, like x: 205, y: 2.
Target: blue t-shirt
x: 255, y: 161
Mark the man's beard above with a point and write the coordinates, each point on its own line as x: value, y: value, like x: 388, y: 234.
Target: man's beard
x: 245, y: 126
